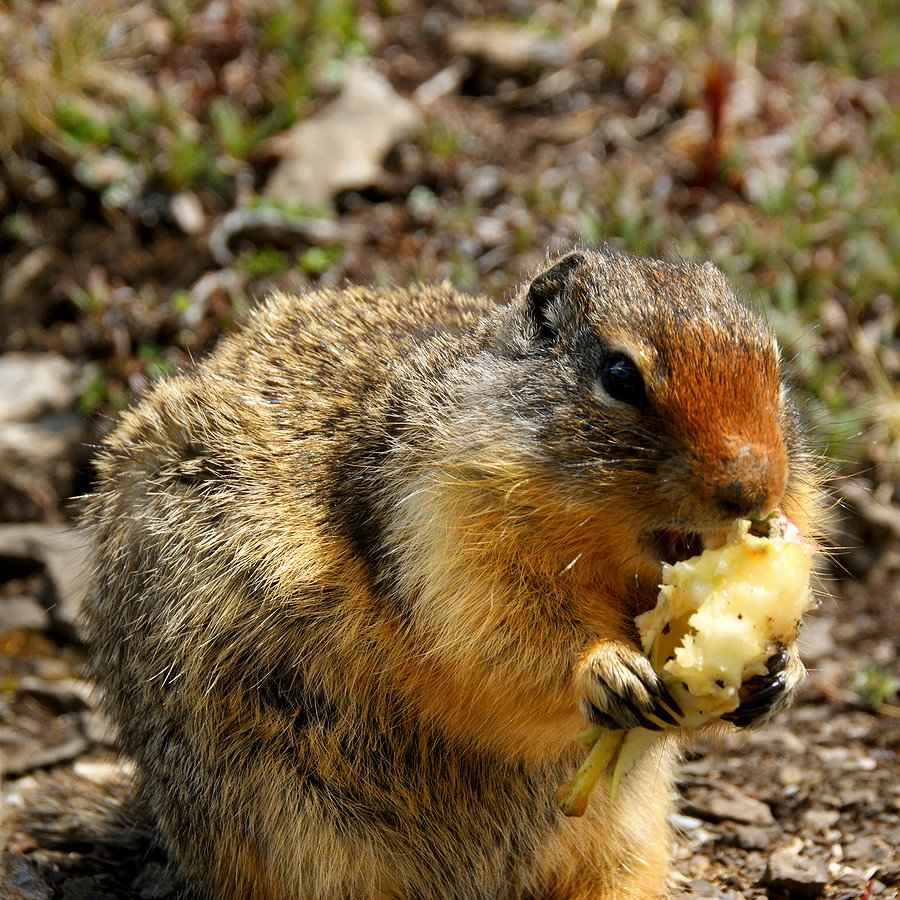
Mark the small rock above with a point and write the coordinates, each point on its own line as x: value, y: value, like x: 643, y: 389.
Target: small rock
x: 98, y: 728
x: 771, y: 737
x: 861, y: 848
x: 844, y: 876
x: 701, y: 889
x: 63, y: 554
x: 801, y: 876
x: 752, y: 837
x: 22, y: 614
x: 727, y: 802
x: 64, y: 696
x: 507, y: 46
x: 342, y: 148
x: 820, y: 821
x: 22, y: 762
x: 684, y: 823
x: 862, y: 798
x: 51, y: 668
x: 790, y: 775
x: 119, y: 771
x: 445, y: 82
x: 18, y: 755
x: 40, y: 433
x: 188, y: 213
x: 35, y: 384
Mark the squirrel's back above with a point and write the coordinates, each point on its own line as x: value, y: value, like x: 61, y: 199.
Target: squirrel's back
x: 364, y: 571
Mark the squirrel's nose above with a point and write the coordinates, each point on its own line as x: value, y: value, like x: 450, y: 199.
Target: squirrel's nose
x: 738, y: 500
x: 751, y: 484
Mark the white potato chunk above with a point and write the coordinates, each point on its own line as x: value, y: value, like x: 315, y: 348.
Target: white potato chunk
x: 720, y: 616
x: 723, y: 613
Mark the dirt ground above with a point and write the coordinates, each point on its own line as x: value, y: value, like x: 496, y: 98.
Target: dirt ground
x: 527, y: 140
x: 806, y: 806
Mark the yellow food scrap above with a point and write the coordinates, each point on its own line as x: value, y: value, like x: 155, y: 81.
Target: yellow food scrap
x: 720, y: 616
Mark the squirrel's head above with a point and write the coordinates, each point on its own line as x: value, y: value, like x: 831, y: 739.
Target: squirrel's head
x: 648, y: 393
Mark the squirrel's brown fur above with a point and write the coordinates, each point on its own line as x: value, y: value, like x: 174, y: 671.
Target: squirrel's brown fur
x: 364, y: 572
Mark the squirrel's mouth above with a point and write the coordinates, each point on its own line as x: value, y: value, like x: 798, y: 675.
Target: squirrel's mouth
x: 668, y: 546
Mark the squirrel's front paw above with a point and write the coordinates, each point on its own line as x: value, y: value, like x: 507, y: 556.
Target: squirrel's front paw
x: 622, y: 690
x: 763, y: 695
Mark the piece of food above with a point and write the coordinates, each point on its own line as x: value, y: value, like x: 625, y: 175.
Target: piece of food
x: 602, y: 746
x: 720, y: 616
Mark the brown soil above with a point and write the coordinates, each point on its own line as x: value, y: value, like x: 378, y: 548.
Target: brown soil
x: 806, y: 806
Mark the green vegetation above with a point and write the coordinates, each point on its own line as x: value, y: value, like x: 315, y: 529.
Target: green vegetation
x: 766, y: 138
x: 131, y: 81
x: 875, y: 685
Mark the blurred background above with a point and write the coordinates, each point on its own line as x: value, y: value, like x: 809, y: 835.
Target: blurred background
x: 164, y: 165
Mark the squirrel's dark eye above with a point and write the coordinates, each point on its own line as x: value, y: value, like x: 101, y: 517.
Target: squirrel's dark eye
x: 622, y: 380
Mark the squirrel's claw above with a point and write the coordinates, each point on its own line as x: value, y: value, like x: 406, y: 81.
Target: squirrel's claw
x: 622, y: 690
x: 763, y: 695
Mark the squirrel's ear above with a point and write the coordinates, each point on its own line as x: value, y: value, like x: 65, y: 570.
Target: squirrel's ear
x: 545, y: 302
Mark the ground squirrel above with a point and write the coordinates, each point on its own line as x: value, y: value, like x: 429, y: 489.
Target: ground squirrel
x: 363, y: 573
